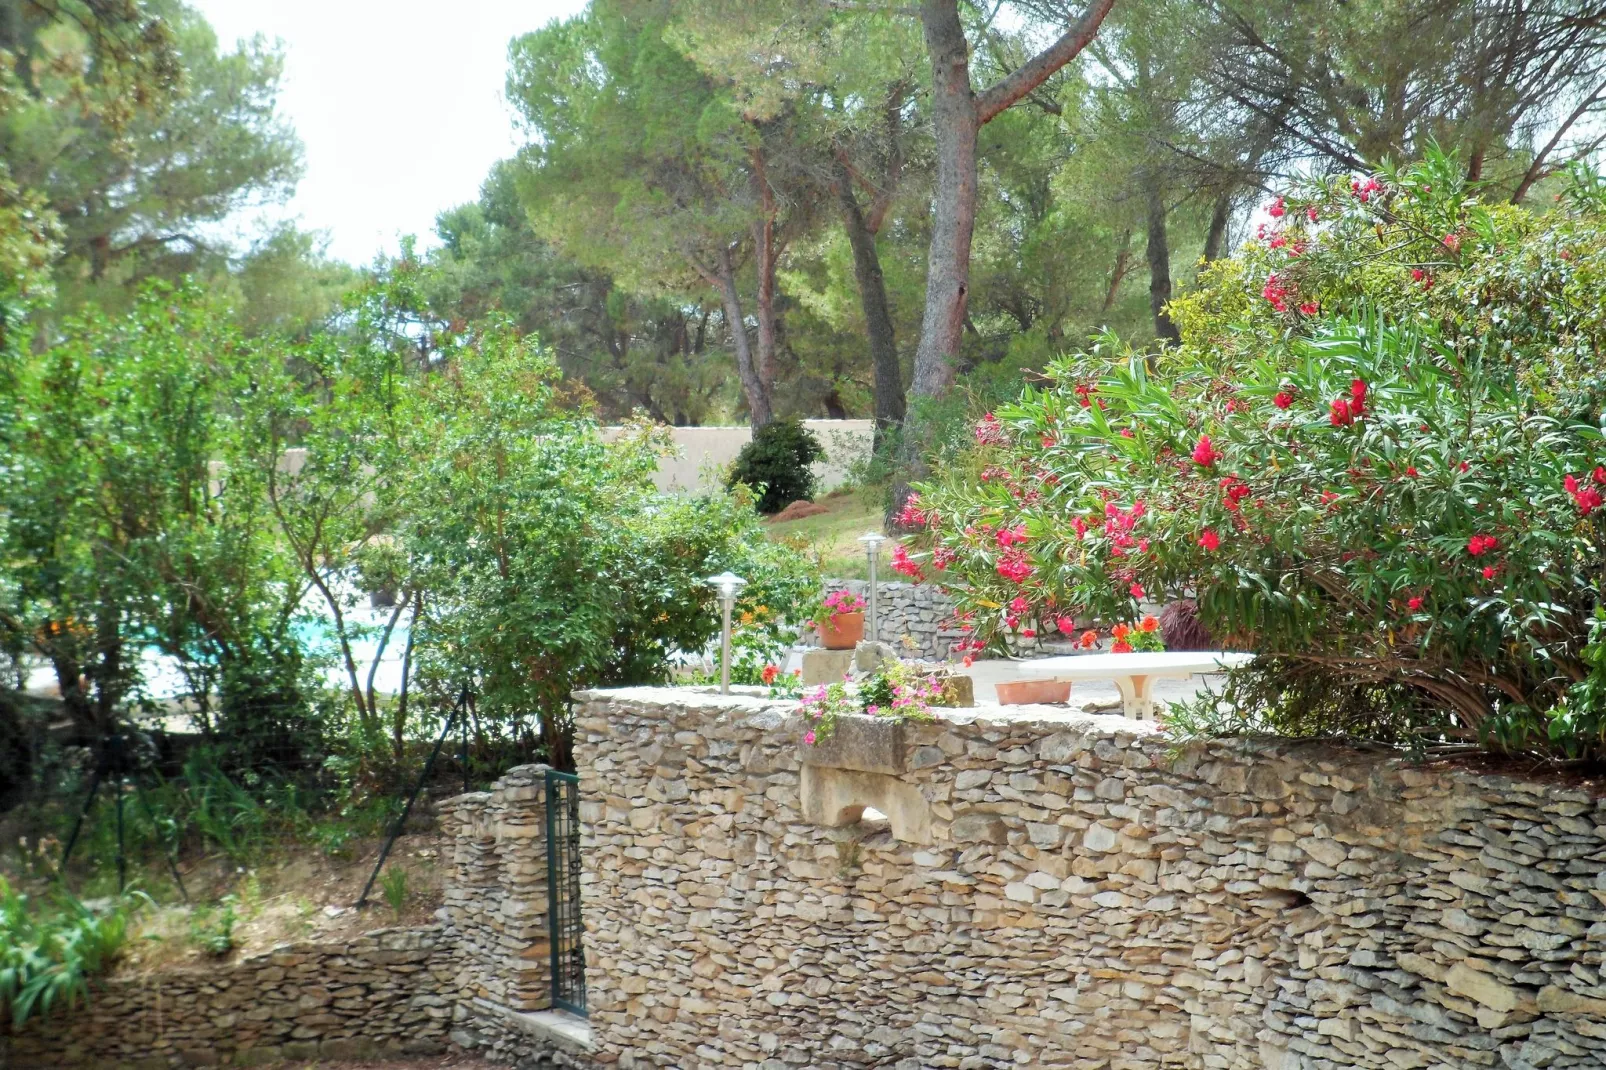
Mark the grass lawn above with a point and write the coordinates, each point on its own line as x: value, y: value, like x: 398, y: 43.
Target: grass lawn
x: 832, y: 535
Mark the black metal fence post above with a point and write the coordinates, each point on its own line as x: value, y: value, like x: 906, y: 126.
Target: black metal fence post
x: 563, y: 891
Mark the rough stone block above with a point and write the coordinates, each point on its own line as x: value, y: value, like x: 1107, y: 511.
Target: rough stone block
x: 825, y: 666
x: 867, y: 744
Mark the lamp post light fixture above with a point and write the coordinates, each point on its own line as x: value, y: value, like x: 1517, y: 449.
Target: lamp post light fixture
x: 728, y: 584
x: 872, y: 541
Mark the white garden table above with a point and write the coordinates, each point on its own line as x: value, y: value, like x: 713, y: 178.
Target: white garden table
x: 1135, y: 673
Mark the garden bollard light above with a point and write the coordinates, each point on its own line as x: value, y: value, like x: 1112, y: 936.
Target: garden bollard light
x: 872, y: 549
x: 727, y: 584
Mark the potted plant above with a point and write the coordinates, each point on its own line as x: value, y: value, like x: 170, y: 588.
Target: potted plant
x: 1032, y: 692
x: 840, y: 620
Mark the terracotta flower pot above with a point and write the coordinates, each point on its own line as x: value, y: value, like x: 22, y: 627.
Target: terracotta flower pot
x: 842, y: 631
x: 1027, y: 692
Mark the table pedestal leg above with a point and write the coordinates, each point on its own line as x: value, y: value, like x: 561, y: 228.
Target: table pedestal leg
x: 1137, y: 696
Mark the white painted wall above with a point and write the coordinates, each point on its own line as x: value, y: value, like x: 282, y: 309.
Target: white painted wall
x: 705, y: 453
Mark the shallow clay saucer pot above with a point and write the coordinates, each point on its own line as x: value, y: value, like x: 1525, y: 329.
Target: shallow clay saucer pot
x: 842, y: 631
x: 1032, y: 692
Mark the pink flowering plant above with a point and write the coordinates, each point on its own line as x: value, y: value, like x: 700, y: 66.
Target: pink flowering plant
x: 896, y: 691
x: 836, y: 605
x: 1403, y: 524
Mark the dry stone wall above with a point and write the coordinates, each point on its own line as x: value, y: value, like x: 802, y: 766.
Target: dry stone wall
x: 1058, y: 890
x: 917, y: 613
x: 387, y: 993
x: 472, y: 982
x: 496, y: 892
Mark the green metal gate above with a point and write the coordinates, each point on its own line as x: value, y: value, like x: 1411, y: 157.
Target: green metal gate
x: 563, y: 891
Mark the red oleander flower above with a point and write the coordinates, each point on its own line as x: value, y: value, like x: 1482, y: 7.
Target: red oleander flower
x: 1204, y: 454
x: 1278, y: 207
x: 1283, y: 400
x: 1479, y: 545
x: 1414, y: 602
x: 1310, y: 213
x: 1235, y: 492
x: 1357, y: 396
x: 1488, y: 572
x: 912, y: 516
x: 1586, y: 497
x: 989, y: 432
x: 1013, y: 566
x: 1340, y: 415
x: 1410, y: 470
x: 901, y: 562
x: 1210, y: 540
x: 1308, y: 308
x: 1452, y: 242
x: 1136, y: 591
x: 1276, y: 293
x: 1028, y: 633
x: 1066, y: 625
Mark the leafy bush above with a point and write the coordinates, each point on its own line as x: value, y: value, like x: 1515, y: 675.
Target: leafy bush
x: 212, y: 929
x: 551, y: 561
x: 1403, y: 520
x: 48, y: 954
x: 778, y: 463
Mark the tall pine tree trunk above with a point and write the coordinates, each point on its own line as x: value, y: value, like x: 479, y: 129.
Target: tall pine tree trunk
x: 953, y: 222
x: 890, y: 404
x: 1216, y: 235
x: 759, y: 412
x: 1159, y: 257
x: 958, y: 114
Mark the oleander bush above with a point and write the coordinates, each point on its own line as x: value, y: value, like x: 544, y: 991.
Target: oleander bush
x: 1376, y: 461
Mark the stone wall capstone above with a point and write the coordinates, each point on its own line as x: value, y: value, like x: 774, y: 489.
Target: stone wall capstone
x: 1054, y: 889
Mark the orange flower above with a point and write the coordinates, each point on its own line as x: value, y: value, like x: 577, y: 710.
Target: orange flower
x: 1089, y: 639
x: 1150, y: 623
x: 1121, y: 647
x: 1120, y: 632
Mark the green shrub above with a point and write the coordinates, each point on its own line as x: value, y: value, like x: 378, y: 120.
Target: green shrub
x: 212, y: 930
x: 778, y: 464
x: 394, y: 886
x: 552, y: 561
x: 48, y: 954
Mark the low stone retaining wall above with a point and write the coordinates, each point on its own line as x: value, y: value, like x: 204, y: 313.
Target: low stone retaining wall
x: 918, y: 611
x: 1058, y: 890
x: 387, y: 993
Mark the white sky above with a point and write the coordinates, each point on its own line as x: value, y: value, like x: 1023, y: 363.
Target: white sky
x: 399, y: 104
